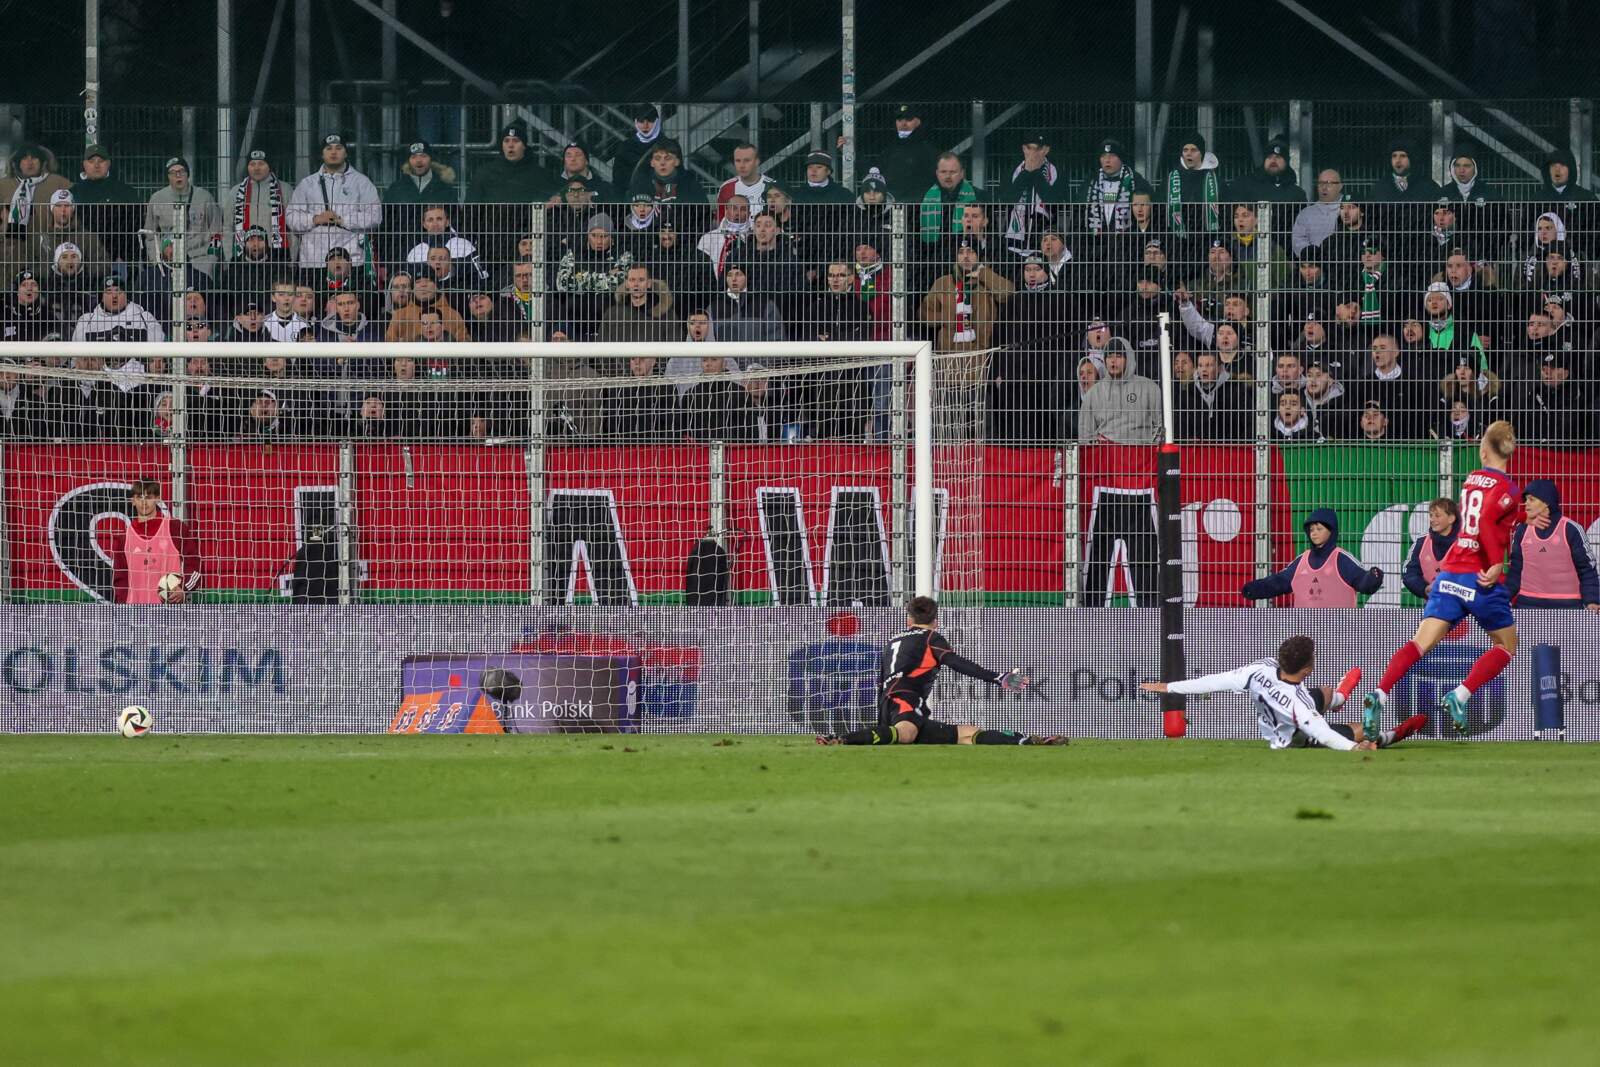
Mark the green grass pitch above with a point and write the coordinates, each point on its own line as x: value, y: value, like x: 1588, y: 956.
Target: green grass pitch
x: 690, y: 900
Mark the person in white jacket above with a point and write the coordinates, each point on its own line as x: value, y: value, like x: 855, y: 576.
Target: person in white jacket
x: 334, y: 206
x: 116, y: 318
x: 1290, y: 713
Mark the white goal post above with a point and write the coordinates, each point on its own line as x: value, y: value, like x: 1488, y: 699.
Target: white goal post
x: 796, y: 353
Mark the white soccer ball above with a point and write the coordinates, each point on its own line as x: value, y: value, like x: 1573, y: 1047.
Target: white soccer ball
x: 134, y: 721
x: 169, y: 584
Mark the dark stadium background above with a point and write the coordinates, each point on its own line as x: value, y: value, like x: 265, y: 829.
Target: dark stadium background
x: 161, y: 52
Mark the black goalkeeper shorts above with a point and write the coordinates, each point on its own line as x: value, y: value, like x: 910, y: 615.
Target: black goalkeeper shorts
x: 930, y: 731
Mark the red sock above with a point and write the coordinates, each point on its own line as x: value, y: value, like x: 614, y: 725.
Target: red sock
x: 1409, y: 727
x: 1403, y: 660
x: 1487, y: 668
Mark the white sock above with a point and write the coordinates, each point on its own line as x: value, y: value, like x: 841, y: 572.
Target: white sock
x: 1462, y: 693
x: 1385, y: 738
x: 1383, y: 698
x: 1337, y: 702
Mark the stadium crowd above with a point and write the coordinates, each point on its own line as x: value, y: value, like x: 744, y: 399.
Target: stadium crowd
x: 1400, y: 310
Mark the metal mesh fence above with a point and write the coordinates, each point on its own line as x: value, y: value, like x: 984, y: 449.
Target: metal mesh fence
x: 1335, y: 345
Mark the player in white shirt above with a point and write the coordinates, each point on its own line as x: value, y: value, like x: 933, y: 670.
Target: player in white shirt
x: 1290, y: 712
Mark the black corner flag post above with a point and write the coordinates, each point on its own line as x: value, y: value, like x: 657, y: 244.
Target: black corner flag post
x: 1169, y: 501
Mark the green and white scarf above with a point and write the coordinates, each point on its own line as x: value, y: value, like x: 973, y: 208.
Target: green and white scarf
x: 1175, y: 202
x: 1121, y: 213
x: 1371, y: 298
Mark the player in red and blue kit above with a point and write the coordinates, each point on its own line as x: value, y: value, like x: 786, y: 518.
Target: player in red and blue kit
x: 1470, y: 582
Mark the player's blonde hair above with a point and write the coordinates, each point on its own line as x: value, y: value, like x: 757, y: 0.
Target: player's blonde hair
x: 1501, y: 438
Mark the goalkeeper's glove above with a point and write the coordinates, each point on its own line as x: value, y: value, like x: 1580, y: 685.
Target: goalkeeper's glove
x: 1015, y: 678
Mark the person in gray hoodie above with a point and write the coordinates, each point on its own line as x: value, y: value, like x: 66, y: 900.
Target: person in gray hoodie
x: 1123, y: 407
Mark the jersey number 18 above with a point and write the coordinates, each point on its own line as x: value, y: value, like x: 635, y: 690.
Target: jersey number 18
x: 1471, y: 511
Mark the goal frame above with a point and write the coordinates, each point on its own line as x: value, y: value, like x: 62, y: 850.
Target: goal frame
x: 919, y: 352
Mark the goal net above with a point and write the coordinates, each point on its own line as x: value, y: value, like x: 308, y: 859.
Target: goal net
x: 539, y: 537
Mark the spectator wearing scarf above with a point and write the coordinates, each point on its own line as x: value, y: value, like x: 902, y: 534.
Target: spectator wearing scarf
x: 24, y: 198
x: 1111, y: 191
x: 1032, y: 189
x: 258, y: 201
x: 941, y: 211
x: 632, y: 154
x: 1194, y: 181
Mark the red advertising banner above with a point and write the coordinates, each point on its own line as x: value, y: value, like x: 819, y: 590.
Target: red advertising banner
x: 456, y: 518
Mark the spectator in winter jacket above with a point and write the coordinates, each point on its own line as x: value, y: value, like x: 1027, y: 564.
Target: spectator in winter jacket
x: 907, y: 159
x: 1323, y: 576
x: 665, y: 178
x: 511, y: 178
x: 1293, y: 424
x: 640, y: 311
x: 1429, y: 550
x: 724, y: 244
x: 1325, y: 398
x: 87, y: 409
x: 1572, y: 203
x: 406, y: 323
x: 1123, y: 407
x: 69, y: 287
x: 772, y: 264
x: 723, y: 409
x: 184, y: 214
x: 60, y: 225
x: 941, y: 202
x: 507, y: 186
x: 962, y: 308
x: 874, y: 287
x: 575, y: 166
x: 646, y: 409
x: 28, y: 315
x: 261, y: 202
x: 108, y: 206
x: 1193, y: 190
x: 1111, y: 189
x: 335, y: 206
x: 832, y: 404
x: 748, y: 181
x: 588, y: 275
x: 634, y: 151
x: 422, y: 181
x: 1276, y: 183
x: 1403, y: 183
x: 1212, y: 407
x: 1550, y: 565
x: 253, y: 271
x: 438, y: 232
x: 741, y: 315
x: 25, y: 194
x: 819, y: 186
x: 1555, y: 409
x: 1028, y: 384
x: 116, y: 318
x: 1031, y: 191
x: 1316, y: 222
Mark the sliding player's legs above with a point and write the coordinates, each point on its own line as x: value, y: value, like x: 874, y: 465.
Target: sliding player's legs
x: 902, y: 723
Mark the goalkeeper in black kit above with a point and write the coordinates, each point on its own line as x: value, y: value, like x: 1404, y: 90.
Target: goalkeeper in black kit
x: 906, y: 672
